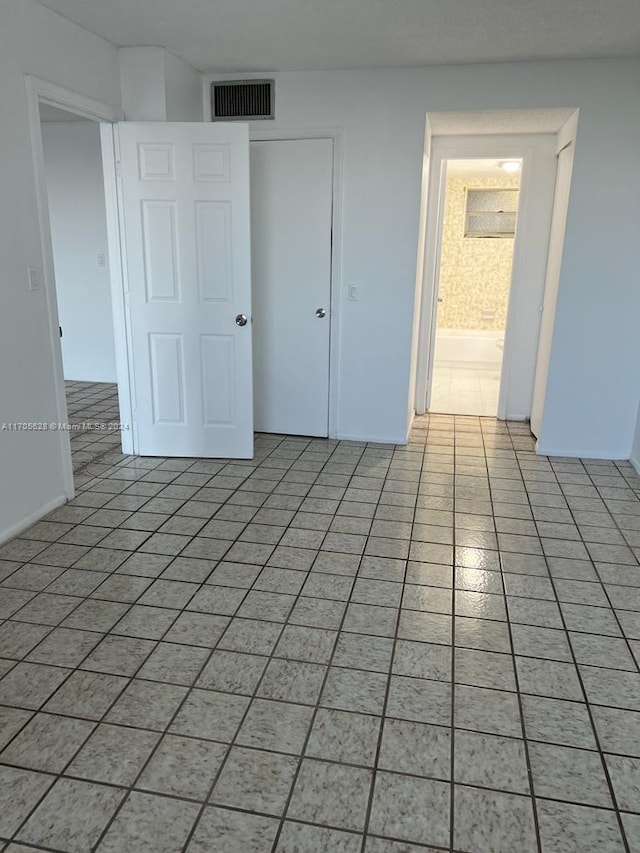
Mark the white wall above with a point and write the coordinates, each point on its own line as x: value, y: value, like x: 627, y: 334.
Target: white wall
x: 183, y: 89
x: 158, y: 86
x: 635, y: 451
x: 565, y: 149
x: 142, y: 83
x: 594, y: 385
x: 35, y: 41
x: 75, y: 189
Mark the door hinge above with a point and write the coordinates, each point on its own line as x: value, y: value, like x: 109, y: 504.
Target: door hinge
x: 60, y: 330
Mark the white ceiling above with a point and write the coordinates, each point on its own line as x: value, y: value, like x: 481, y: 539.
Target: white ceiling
x: 477, y: 169
x: 257, y: 35
x: 478, y: 122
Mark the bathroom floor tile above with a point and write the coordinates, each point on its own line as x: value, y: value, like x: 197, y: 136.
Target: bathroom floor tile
x: 255, y: 781
x: 564, y: 773
x: 113, y: 754
x: 411, y: 808
x: 332, y: 794
x: 488, y: 761
x: 183, y: 767
x: 566, y: 826
x: 225, y: 831
x: 490, y: 820
x: 150, y: 824
x: 72, y: 816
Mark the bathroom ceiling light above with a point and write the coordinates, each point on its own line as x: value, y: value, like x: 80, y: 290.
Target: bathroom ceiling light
x: 510, y: 165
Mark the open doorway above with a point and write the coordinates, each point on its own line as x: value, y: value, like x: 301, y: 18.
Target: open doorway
x: 77, y: 221
x: 77, y: 217
x: 72, y: 213
x: 476, y: 260
x: 528, y: 246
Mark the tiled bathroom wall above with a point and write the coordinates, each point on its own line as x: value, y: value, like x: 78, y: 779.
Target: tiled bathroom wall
x: 475, y: 273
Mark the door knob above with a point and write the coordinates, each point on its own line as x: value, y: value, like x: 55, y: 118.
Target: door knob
x: 241, y: 320
x: 320, y: 313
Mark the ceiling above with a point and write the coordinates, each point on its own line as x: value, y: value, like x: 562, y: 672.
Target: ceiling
x: 258, y: 35
x: 477, y: 169
x: 479, y: 122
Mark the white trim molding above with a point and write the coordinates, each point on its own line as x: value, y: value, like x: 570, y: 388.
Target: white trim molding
x: 537, y: 152
x: 260, y: 134
x: 42, y: 91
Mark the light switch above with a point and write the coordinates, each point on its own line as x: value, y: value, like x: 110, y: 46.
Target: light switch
x: 33, y: 278
x: 354, y: 293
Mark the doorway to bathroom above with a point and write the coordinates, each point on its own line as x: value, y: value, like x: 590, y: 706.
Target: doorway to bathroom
x: 480, y: 213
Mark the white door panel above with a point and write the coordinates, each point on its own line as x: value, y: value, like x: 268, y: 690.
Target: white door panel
x: 186, y: 224
x: 291, y: 213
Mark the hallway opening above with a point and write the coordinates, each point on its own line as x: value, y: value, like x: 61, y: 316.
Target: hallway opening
x: 476, y: 259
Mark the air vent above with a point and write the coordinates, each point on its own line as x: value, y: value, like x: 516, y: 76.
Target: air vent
x: 242, y: 100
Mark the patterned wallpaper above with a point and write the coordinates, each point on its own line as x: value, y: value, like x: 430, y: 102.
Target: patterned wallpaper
x: 475, y: 274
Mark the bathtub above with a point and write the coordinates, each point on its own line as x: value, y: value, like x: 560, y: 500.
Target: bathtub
x: 469, y: 346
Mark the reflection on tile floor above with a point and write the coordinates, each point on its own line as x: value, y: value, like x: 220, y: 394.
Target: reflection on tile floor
x: 333, y: 647
x: 459, y: 389
x: 93, y: 412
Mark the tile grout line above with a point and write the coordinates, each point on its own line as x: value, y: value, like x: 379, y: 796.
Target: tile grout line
x: 166, y: 731
x: 316, y: 706
x: 98, y: 722
x: 389, y: 676
x: 307, y: 572
x: 452, y: 765
x: 586, y: 698
x: 525, y: 745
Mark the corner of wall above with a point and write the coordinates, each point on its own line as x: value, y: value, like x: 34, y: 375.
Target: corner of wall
x: 17, y: 528
x: 142, y: 83
x: 183, y: 90
x: 635, y: 450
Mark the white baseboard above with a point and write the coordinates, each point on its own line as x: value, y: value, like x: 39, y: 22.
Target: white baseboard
x: 17, y: 528
x: 578, y: 453
x: 636, y: 463
x: 109, y: 380
x: 412, y: 417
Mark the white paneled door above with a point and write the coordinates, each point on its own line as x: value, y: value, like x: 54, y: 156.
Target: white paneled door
x: 291, y: 213
x: 186, y: 244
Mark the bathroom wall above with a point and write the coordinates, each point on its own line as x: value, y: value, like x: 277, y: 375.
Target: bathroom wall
x: 475, y: 273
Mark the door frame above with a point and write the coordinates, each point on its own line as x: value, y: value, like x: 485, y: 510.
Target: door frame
x: 565, y: 153
x: 531, y: 149
x: 116, y: 252
x: 40, y: 91
x: 284, y: 135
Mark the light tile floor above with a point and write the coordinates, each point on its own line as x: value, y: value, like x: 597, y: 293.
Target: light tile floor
x: 333, y: 647
x: 88, y: 404
x: 460, y: 389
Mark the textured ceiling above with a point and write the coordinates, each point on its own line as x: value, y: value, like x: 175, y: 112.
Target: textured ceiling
x: 477, y: 169
x: 478, y: 122
x: 234, y: 35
